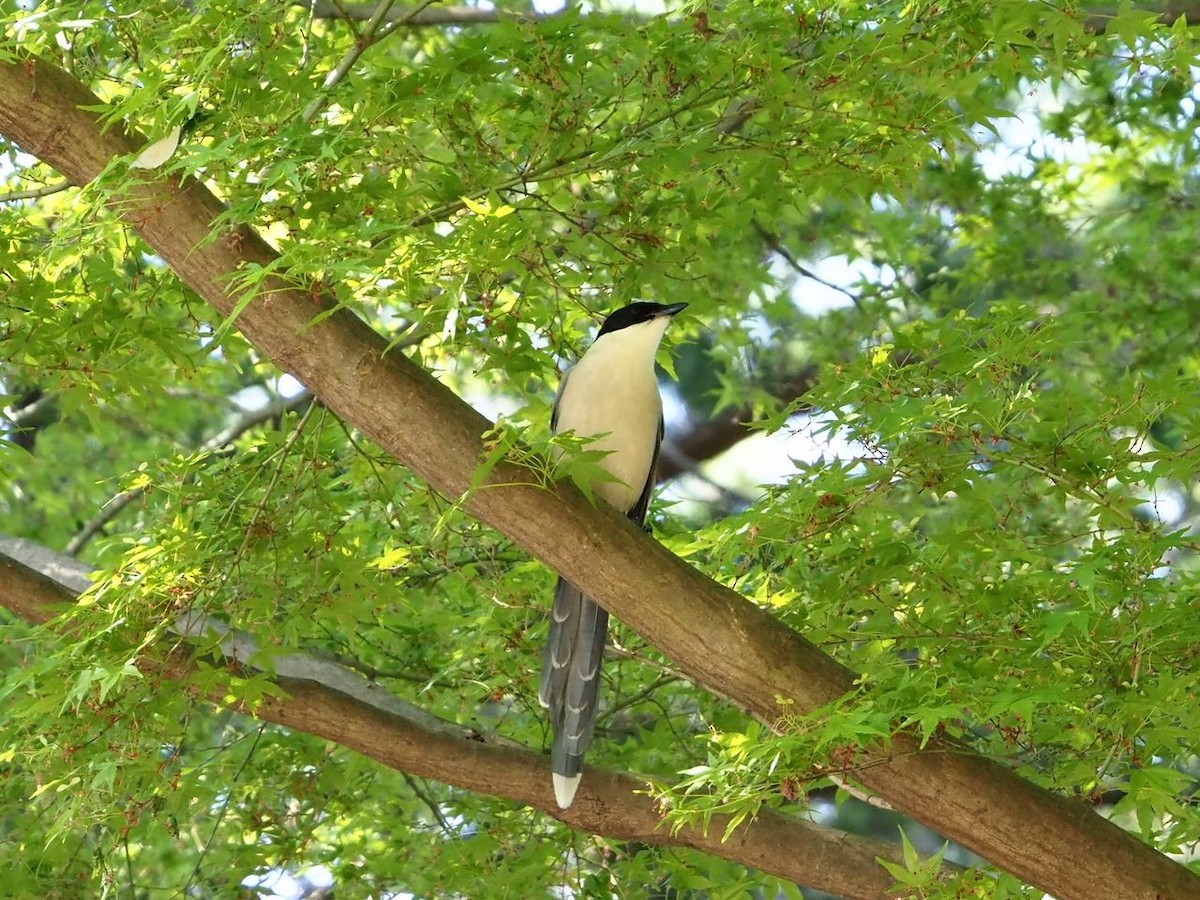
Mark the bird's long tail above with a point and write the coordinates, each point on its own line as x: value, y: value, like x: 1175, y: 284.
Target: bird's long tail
x: 570, y: 683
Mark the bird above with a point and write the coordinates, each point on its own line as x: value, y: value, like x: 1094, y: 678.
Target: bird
x: 610, y: 395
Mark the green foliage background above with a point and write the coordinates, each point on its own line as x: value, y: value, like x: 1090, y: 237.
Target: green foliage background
x: 1010, y: 557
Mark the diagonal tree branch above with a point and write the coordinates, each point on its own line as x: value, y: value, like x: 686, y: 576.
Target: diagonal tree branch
x: 720, y: 640
x: 335, y: 703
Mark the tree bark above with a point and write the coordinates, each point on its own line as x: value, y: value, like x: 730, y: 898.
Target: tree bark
x: 719, y: 639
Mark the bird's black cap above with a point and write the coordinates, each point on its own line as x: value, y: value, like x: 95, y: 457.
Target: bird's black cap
x: 636, y: 313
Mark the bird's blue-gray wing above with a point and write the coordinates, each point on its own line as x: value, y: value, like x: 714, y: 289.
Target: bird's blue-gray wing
x: 638, y: 511
x: 562, y: 386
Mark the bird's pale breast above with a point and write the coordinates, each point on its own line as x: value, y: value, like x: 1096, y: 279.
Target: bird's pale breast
x: 626, y: 405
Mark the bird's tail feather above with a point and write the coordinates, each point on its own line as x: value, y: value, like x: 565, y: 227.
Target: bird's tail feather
x: 570, y: 682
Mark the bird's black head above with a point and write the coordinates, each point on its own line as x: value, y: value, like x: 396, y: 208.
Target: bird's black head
x: 636, y: 314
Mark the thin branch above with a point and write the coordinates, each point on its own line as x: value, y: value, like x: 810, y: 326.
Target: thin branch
x: 421, y: 16
x: 737, y: 113
x: 423, y: 795
x: 220, y: 817
x: 619, y: 651
x: 859, y: 794
x: 34, y: 193
x: 582, y: 160
x: 634, y: 699
x: 350, y: 15
x: 396, y: 24
x: 284, y: 452
x: 776, y: 245
x: 118, y: 502
x: 271, y: 412
x: 377, y: 29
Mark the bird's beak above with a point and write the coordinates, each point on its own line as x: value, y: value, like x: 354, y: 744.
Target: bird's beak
x: 671, y: 310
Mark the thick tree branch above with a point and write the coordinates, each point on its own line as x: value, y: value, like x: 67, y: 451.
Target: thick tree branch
x: 335, y: 703
x: 720, y: 640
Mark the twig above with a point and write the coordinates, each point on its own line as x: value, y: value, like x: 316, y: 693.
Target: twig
x: 859, y: 794
x: 33, y: 193
x: 371, y: 673
x: 644, y: 694
x: 422, y: 17
x: 586, y: 159
x: 773, y: 242
x: 113, y: 507
x: 404, y: 20
x: 375, y: 31
x: 425, y: 798
x: 224, y: 809
x: 705, y: 440
x: 737, y: 113
x: 347, y: 14
x: 284, y: 451
x: 615, y: 649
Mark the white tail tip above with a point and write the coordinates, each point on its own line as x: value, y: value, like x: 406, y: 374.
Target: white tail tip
x: 564, y: 789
